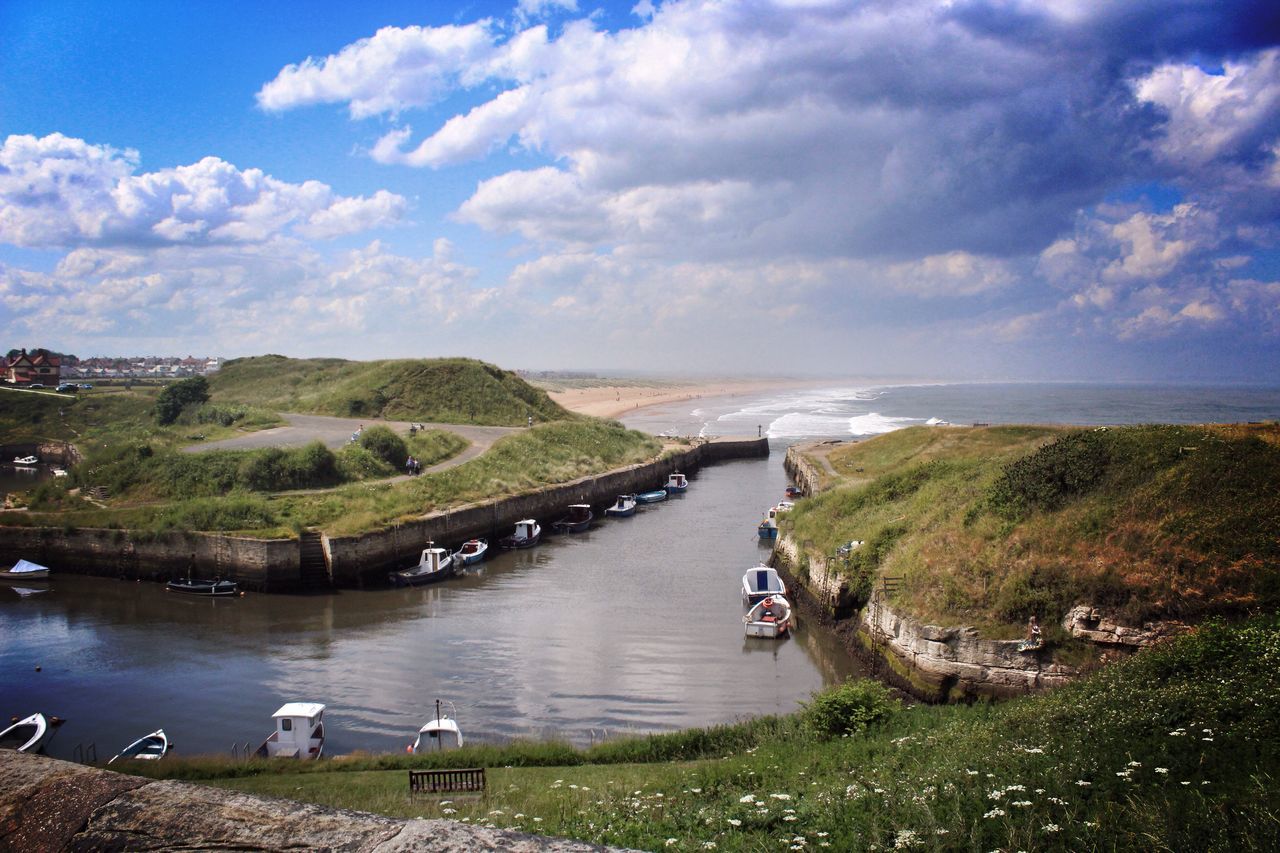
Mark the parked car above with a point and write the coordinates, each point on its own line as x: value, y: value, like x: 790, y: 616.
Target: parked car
x: 36, y: 385
x: 86, y: 385
x: 65, y: 387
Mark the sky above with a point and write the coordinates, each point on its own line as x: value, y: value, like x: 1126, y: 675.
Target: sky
x: 997, y: 189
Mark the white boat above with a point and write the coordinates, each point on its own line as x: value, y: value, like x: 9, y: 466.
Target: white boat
x: 27, y: 735
x: 760, y: 583
x: 771, y: 617
x: 623, y: 507
x: 25, y: 571
x: 435, y: 564
x: 472, y: 551
x: 677, y: 482
x: 438, y: 735
x: 26, y: 461
x: 153, y: 747
x: 60, y: 472
x: 299, y: 732
x: 527, y: 534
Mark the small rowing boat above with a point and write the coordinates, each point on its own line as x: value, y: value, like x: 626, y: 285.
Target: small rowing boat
x: 214, y: 588
x: 651, y: 497
x: 28, y: 734
x: 152, y: 747
x: 25, y: 571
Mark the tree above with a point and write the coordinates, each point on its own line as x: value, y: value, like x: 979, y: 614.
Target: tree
x: 176, y: 397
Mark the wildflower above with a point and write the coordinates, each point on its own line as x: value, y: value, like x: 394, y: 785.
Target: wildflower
x: 497, y: 811
x: 518, y: 816
x: 448, y: 811
x: 749, y: 798
x: 971, y: 772
x: 1016, y: 788
x: 708, y: 845
x: 537, y: 820
x: 941, y: 831
x: 1051, y: 827
x: 781, y: 796
x: 1207, y: 739
x: 695, y: 790
x: 1164, y: 771
x: 1134, y: 764
x: 1022, y: 804
x: 788, y: 818
x: 905, y: 838
x: 995, y: 795
x: 1082, y: 783
x: 671, y: 842
x: 995, y: 813
x: 822, y: 834
x: 733, y: 821
x: 1034, y: 750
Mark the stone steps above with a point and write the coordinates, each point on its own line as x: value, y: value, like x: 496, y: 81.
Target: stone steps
x: 313, y: 568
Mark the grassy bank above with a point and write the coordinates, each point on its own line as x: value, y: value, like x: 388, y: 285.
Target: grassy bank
x: 990, y: 526
x: 443, y: 390
x: 1174, y: 749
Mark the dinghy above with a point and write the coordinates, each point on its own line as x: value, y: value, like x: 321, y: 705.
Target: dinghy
x: 771, y: 617
x: 153, y: 747
x: 25, y: 571
x: 472, y: 551
x: 760, y: 583
x: 25, y: 461
x: 197, y: 586
x: 438, y: 735
x: 651, y: 497
x: 27, y: 735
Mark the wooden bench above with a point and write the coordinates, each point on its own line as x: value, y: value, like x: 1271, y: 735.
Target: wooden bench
x: 446, y: 781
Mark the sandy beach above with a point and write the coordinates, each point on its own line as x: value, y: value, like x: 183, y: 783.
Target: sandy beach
x: 611, y: 401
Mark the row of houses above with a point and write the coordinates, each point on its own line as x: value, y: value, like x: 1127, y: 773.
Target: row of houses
x: 44, y: 368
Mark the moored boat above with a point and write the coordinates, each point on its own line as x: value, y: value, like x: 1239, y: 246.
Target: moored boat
x: 299, y: 732
x: 435, y: 564
x: 27, y: 734
x: 794, y: 492
x: 651, y: 497
x: 24, y: 570
x: 677, y: 482
x: 437, y: 735
x: 472, y: 551
x: 623, y: 507
x: 527, y: 534
x: 576, y: 520
x: 213, y: 588
x: 25, y: 461
x: 768, y: 528
x: 771, y: 617
x: 761, y: 583
x: 152, y: 747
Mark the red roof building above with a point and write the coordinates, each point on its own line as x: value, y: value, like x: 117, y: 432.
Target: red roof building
x: 42, y: 368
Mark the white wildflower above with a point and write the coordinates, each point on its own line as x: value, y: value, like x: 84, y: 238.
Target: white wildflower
x: 733, y: 821
x: 1164, y: 771
x: 995, y: 813
x: 671, y: 842
x: 781, y: 796
x: 749, y: 798
x: 1051, y: 827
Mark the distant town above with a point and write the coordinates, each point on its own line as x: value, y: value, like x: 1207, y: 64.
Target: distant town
x: 44, y: 368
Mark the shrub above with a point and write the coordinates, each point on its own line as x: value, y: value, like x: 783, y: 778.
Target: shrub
x: 1045, y: 480
x: 385, y: 444
x: 177, y: 396
x: 848, y: 708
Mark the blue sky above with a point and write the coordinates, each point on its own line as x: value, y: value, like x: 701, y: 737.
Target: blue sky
x: 954, y: 190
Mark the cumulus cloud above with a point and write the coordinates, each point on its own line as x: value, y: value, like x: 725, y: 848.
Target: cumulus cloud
x: 57, y: 191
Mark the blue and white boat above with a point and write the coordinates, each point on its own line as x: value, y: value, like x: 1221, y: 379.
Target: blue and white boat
x: 651, y: 497
x: 761, y: 583
x: 153, y: 747
x: 472, y: 551
x: 625, y: 506
x: 677, y: 482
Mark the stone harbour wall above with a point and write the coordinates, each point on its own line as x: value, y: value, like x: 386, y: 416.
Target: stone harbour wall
x: 48, y: 805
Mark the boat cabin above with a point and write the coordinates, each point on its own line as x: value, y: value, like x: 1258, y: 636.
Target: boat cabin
x: 526, y: 529
x: 432, y: 559
x: 578, y: 513
x: 677, y: 482
x: 299, y: 732
x: 761, y: 583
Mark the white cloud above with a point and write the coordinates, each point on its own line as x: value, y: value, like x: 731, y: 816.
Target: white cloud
x: 57, y: 191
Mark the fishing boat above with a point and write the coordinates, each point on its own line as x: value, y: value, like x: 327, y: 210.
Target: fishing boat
x: 625, y: 506
x: 26, y: 461
x: 435, y: 564
x: 794, y: 492
x: 651, y: 497
x: 25, y: 571
x: 438, y: 735
x: 28, y: 734
x: 153, y: 747
x: 771, y: 617
x: 212, y: 588
x: 761, y: 583
x: 577, y: 520
x: 677, y: 482
x: 472, y: 551
x: 299, y: 732
x: 527, y: 534
x: 768, y: 528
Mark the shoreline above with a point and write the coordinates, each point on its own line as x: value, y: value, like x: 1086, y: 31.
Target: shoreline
x: 612, y: 401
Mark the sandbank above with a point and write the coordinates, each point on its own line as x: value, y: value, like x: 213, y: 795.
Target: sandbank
x: 611, y: 401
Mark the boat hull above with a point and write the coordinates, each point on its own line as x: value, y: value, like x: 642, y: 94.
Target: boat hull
x: 408, y: 578
x: 620, y: 513
x: 651, y: 497
x: 767, y: 532
x: 206, y: 588
x: 512, y: 542
x: 572, y: 526
x: 27, y: 735
x: 769, y: 630
x: 470, y: 559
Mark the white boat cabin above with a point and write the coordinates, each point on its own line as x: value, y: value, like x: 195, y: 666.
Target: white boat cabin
x: 299, y: 732
x: 526, y: 529
x: 677, y: 482
x: 760, y: 583
x: 433, y: 560
x: 438, y: 736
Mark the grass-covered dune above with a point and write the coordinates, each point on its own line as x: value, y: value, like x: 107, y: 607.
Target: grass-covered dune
x: 1172, y: 749
x: 443, y: 390
x: 990, y: 526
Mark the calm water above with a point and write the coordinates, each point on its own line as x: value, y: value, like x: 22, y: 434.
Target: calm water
x: 634, y: 626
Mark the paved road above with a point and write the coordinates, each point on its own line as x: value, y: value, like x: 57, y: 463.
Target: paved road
x: 336, y: 432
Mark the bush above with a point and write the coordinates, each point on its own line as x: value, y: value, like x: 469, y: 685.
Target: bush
x: 1073, y: 465
x: 386, y: 445
x: 848, y: 708
x: 177, y: 396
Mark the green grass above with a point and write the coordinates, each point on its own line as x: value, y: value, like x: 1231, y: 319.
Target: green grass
x: 992, y: 525
x: 1174, y: 749
x: 444, y: 390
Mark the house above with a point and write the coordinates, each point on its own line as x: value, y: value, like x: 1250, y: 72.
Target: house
x: 38, y: 368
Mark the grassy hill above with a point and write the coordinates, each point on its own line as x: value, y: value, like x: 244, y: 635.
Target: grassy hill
x: 992, y: 525
x: 443, y: 390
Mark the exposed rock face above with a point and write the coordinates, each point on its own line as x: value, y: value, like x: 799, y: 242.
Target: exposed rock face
x: 51, y: 805
x: 1088, y: 623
